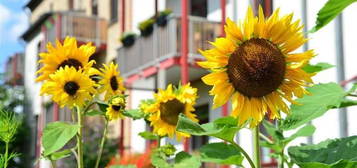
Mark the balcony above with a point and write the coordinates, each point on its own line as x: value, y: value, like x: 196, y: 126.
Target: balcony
x: 165, y: 43
x: 84, y: 28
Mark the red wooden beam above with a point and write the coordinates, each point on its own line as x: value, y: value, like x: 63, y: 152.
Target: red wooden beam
x: 184, y: 54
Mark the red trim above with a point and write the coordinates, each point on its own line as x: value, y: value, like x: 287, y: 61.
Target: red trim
x: 223, y: 16
x: 14, y: 68
x: 149, y: 71
x: 169, y: 62
x: 58, y: 24
x: 184, y: 54
x: 121, y: 138
x: 132, y: 78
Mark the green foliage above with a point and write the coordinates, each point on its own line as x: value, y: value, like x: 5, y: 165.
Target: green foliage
x: 317, y: 67
x: 224, y: 128
x: 56, y: 135
x: 146, y: 24
x: 94, y: 112
x: 9, y: 123
x: 165, y: 12
x: 102, y: 106
x: 322, y: 97
x: 60, y: 155
x: 148, y: 135
x: 134, y: 114
x: 330, y: 10
x: 184, y: 160
x: 336, y: 153
x: 221, y: 153
x: 305, y: 131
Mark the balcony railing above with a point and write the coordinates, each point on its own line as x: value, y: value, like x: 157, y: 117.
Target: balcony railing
x: 165, y: 42
x: 84, y: 28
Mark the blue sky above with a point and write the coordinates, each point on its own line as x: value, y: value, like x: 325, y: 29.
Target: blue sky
x: 13, y: 22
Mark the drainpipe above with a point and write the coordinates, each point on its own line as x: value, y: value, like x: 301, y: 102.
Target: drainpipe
x: 305, y: 47
x: 184, y: 54
x: 340, y: 67
x: 58, y: 26
x: 223, y: 22
x: 122, y: 122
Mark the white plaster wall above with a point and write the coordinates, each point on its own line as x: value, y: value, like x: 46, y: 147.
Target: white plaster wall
x: 143, y: 10
x: 32, y: 88
x: 350, y: 41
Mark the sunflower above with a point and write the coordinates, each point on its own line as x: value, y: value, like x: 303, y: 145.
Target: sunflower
x: 168, y: 105
x: 116, y: 108
x: 111, y: 81
x: 254, y: 67
x: 67, y: 54
x: 69, y: 87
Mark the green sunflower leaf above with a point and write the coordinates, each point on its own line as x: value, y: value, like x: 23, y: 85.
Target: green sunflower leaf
x: 331, y: 9
x: 307, y: 130
x: 221, y: 153
x: 148, y: 135
x: 102, y: 106
x: 336, y: 153
x: 322, y: 97
x: 159, y: 159
x: 56, y: 135
x: 93, y: 112
x: 224, y: 128
x: 317, y: 67
x: 185, y: 160
x: 347, y: 103
x: 134, y: 114
x: 61, y: 154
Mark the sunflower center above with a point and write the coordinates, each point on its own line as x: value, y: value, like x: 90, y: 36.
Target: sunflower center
x: 170, y: 111
x: 71, y: 88
x: 256, y: 68
x: 116, y: 107
x: 70, y: 63
x: 114, y: 83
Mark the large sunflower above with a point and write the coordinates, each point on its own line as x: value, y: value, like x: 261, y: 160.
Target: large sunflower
x: 168, y: 105
x: 67, y: 54
x: 254, y: 67
x: 116, y: 108
x: 69, y: 87
x: 111, y: 81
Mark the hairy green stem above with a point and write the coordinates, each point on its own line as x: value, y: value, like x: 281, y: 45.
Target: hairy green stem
x: 256, y: 146
x: 282, y: 160
x: 266, y: 138
x: 80, y: 139
x: 244, y: 153
x: 102, y: 144
x: 6, y: 154
x: 159, y: 141
x: 53, y: 163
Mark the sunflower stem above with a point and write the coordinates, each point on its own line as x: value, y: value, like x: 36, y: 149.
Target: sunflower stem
x: 102, y: 143
x: 256, y: 146
x: 282, y: 160
x: 6, y: 154
x: 53, y: 164
x: 158, y: 141
x: 80, y: 139
x: 244, y: 153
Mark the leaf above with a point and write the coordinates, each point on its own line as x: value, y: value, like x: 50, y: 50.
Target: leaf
x: 56, y: 135
x: 322, y: 97
x: 307, y: 130
x: 347, y: 103
x: 224, y: 128
x: 185, y: 160
x: 134, y: 113
x: 336, y: 153
x: 221, y: 153
x: 93, y: 112
x: 148, y: 135
x: 317, y: 67
x: 102, y: 106
x: 158, y: 159
x: 331, y: 9
x: 61, y: 154
x: 273, y: 131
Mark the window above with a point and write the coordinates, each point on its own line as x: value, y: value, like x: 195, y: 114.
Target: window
x: 198, y: 8
x: 71, y: 4
x: 95, y: 7
x: 113, y: 11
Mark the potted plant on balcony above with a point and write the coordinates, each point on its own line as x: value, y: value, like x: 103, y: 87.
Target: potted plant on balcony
x: 161, y: 19
x: 146, y: 27
x: 128, y: 39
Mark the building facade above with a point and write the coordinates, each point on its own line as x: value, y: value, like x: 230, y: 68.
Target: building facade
x: 155, y: 61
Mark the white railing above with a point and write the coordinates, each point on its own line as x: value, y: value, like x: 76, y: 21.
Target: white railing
x: 165, y: 42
